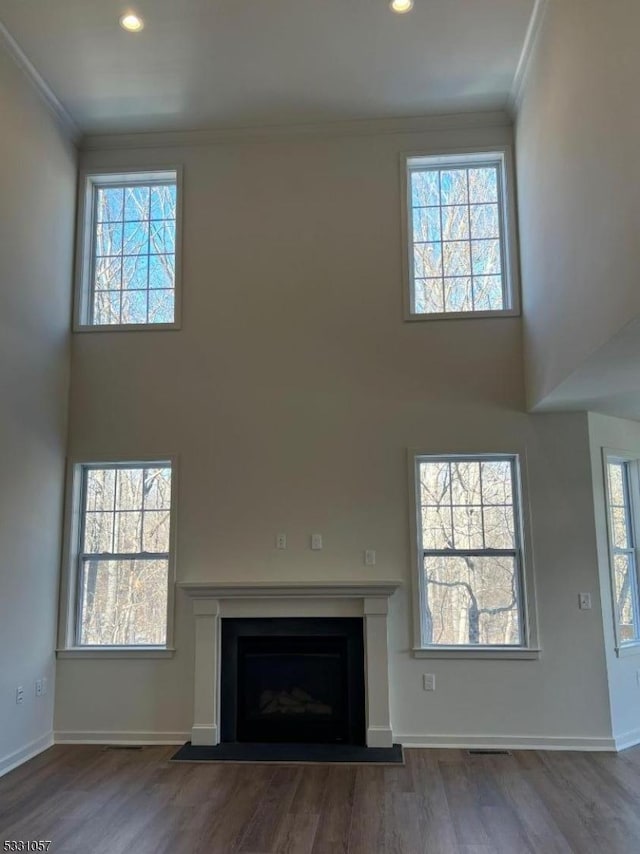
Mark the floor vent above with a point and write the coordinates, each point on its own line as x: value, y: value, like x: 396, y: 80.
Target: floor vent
x: 488, y: 752
x: 122, y: 747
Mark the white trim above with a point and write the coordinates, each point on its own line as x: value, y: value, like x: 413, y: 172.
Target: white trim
x: 627, y: 739
x: 612, y: 455
x: 96, y: 652
x: 24, y: 754
x: 67, y: 647
x: 508, y: 742
x: 267, y: 133
x: 533, y: 32
x: 118, y: 737
x: 480, y: 653
x: 628, y: 650
x: 528, y: 607
x: 379, y: 736
x: 88, y: 180
x: 285, y: 589
x: 60, y: 113
x: 502, y: 157
x: 205, y: 736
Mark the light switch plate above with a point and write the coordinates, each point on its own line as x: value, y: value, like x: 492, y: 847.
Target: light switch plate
x: 429, y: 681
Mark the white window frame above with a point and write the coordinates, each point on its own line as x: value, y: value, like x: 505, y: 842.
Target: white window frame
x: 69, y: 587
x: 529, y: 649
x: 89, y: 181
x: 501, y: 156
x: 631, y: 463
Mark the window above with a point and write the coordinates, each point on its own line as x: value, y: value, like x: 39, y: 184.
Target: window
x: 129, y: 247
x: 623, y: 506
x: 458, y: 263
x: 123, y: 554
x: 470, y: 552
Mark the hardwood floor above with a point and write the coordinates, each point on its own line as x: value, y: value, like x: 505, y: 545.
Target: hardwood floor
x: 91, y: 800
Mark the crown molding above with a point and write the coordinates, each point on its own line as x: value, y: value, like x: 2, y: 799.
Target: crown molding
x: 63, y: 118
x: 357, y: 127
x: 533, y: 32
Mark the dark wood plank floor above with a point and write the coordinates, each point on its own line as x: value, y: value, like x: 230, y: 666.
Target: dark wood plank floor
x: 89, y: 800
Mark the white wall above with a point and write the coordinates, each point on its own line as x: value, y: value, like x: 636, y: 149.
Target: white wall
x: 291, y: 395
x: 615, y: 434
x: 578, y: 129
x: 37, y: 195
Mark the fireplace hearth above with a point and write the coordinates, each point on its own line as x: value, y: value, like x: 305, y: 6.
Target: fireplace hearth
x: 293, y: 680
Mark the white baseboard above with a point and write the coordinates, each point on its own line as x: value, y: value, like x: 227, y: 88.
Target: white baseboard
x: 465, y: 742
x: 627, y: 739
x: 19, y: 757
x: 118, y: 737
x: 508, y: 742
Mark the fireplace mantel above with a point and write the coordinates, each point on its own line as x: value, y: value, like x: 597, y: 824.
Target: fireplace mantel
x: 213, y: 600
x: 289, y: 589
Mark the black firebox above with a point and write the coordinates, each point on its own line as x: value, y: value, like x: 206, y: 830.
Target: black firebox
x: 295, y: 680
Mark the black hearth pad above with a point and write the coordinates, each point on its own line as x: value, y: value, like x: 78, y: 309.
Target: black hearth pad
x: 290, y: 753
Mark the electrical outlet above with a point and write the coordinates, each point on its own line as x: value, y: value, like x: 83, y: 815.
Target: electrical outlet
x: 38, y: 687
x: 370, y: 557
x: 281, y: 541
x: 19, y: 695
x: 316, y: 542
x: 429, y: 681
x: 584, y: 601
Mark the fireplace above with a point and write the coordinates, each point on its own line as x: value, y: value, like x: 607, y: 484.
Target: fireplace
x: 215, y: 603
x: 293, y: 680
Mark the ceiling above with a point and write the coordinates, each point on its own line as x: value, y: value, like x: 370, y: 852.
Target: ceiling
x: 207, y: 64
x: 607, y: 381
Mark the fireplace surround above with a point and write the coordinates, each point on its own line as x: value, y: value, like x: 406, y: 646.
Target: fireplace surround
x: 215, y: 602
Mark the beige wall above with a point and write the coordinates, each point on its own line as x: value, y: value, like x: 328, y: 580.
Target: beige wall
x: 291, y: 396
x: 578, y: 128
x: 37, y: 194
x: 614, y: 434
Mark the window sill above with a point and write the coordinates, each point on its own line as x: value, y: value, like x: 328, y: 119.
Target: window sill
x: 628, y: 650
x: 128, y: 327
x: 116, y: 652
x: 463, y: 315
x: 482, y: 653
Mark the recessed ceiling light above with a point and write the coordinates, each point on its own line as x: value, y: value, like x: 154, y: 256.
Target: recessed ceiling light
x: 131, y: 22
x: 401, y: 6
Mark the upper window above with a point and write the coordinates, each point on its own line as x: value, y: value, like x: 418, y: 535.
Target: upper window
x: 123, y: 554
x: 470, y: 551
x: 622, y: 492
x: 128, y: 269
x: 457, y: 222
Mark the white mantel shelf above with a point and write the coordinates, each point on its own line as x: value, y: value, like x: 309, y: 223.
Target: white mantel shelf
x: 215, y: 600
x: 286, y: 589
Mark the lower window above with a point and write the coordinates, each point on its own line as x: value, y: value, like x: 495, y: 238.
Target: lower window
x: 623, y: 500
x: 470, y: 551
x: 123, y: 554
